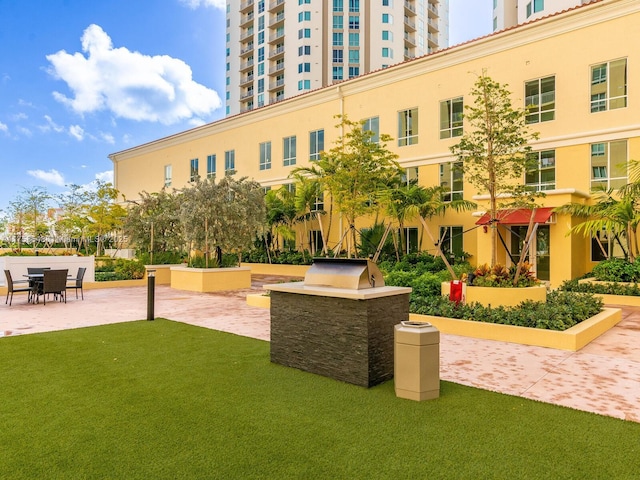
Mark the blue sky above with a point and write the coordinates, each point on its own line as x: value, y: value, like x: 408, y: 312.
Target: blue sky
x: 80, y: 79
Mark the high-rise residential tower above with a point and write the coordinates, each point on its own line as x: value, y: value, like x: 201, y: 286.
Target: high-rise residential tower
x: 507, y: 13
x: 281, y: 48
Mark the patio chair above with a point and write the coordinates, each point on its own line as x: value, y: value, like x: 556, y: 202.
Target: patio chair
x: 77, y: 282
x: 23, y: 286
x: 54, y: 281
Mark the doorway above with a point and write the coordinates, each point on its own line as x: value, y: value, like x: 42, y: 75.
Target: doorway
x: 539, y: 251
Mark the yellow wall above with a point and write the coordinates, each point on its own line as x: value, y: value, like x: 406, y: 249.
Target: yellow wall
x: 564, y: 45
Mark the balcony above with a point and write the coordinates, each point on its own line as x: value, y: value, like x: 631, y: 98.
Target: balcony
x: 409, y: 25
x: 246, y: 20
x: 246, y: 80
x: 246, y: 95
x: 409, y: 39
x: 246, y: 65
x: 276, y: 52
x: 432, y: 40
x: 433, y: 10
x: 409, y: 8
x: 276, y: 69
x: 433, y: 25
x: 246, y: 5
x: 276, y: 4
x: 246, y: 35
x: 278, y: 97
x: 277, y: 20
x: 246, y: 50
x: 276, y: 36
x: 277, y: 84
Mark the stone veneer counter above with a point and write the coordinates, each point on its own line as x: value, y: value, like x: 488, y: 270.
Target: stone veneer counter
x: 343, y: 334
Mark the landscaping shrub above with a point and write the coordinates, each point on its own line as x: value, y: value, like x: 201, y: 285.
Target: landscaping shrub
x: 617, y: 270
x: 561, y: 311
x: 501, y: 276
x: 613, y: 288
x: 119, y: 269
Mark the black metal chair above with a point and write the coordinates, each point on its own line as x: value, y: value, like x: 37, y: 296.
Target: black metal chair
x: 11, y: 287
x: 54, y: 281
x: 77, y: 282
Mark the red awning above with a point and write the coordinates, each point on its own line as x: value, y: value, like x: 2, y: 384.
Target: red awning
x: 519, y: 216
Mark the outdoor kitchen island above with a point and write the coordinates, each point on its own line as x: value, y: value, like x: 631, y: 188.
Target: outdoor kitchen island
x: 339, y: 322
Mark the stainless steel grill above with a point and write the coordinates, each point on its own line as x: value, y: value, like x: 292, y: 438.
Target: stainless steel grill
x: 348, y: 273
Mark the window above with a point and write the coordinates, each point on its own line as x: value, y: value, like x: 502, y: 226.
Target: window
x: 354, y: 56
x: 408, y: 127
x: 451, y: 241
x: 410, y: 176
x: 338, y: 22
x: 337, y: 56
x: 338, y: 73
x: 338, y: 5
x: 354, y: 39
x: 607, y: 245
x: 304, y: 16
x: 541, y: 175
x: 387, y: 52
x: 304, y: 33
x: 289, y: 149
x: 540, y: 99
x: 167, y: 175
x: 304, y: 84
x: 372, y: 125
x: 495, y: 23
x: 316, y: 144
x: 211, y: 166
x: 261, y: 54
x: 354, y: 5
x: 354, y: 72
x: 387, y: 35
x: 354, y: 22
x: 609, y: 86
x: 451, y: 118
x: 229, y: 162
x: 386, y: 3
x: 260, y: 6
x: 411, y: 240
x: 538, y: 5
x: 608, y: 165
x: 193, y: 171
x: 387, y: 18
x: 338, y: 40
x: 318, y: 204
x: 304, y: 67
x: 260, y: 85
x: 451, y: 181
x: 265, y: 155
x: 316, y: 243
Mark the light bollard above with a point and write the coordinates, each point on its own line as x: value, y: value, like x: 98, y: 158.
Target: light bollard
x: 151, y: 293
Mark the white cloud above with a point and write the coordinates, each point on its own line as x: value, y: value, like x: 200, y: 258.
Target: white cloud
x: 52, y: 176
x: 77, y: 132
x: 51, y: 125
x: 221, y: 4
x: 3, y: 127
x: 19, y: 116
x: 130, y: 84
x: 107, y: 137
x: 106, y: 176
x: 25, y: 131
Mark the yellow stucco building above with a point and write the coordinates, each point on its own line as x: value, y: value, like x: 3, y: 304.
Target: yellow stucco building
x: 578, y: 69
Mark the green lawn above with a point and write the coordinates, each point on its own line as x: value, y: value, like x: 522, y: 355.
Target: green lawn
x: 161, y: 399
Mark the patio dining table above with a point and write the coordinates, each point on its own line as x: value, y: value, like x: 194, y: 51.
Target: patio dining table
x: 36, y: 281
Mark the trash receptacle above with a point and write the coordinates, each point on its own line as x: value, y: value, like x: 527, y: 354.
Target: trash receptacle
x: 417, y: 361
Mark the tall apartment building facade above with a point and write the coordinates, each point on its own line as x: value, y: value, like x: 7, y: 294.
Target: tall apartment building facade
x: 277, y: 49
x: 508, y: 13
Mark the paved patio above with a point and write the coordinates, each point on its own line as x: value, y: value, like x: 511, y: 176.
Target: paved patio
x: 603, y: 377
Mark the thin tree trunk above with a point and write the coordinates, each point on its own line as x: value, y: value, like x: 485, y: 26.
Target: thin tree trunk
x: 437, y: 245
x: 527, y: 244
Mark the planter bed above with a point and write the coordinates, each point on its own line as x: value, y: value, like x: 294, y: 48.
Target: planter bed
x: 210, y: 279
x: 495, y: 296
x: 610, y: 299
x: 277, y: 269
x: 572, y: 339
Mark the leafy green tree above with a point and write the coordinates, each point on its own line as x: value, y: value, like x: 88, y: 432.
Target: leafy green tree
x: 73, y: 221
x: 356, y: 172
x: 307, y: 192
x: 104, y: 214
x: 153, y: 223
x: 29, y: 212
x: 494, y: 150
x: 281, y: 214
x: 227, y: 215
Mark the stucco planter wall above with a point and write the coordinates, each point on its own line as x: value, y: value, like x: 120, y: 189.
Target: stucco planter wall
x: 277, y: 269
x: 163, y: 272
x: 210, y: 279
x: 572, y: 339
x: 495, y: 296
x: 627, y: 300
x: 18, y: 265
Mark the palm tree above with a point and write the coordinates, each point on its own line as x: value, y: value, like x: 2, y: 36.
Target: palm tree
x: 430, y: 204
x: 281, y: 214
x: 616, y: 212
x: 307, y: 191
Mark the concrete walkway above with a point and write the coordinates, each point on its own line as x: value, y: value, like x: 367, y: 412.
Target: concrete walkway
x: 603, y: 377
